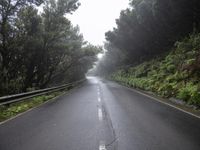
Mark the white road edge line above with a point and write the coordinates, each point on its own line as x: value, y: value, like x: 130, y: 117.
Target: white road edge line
x: 23, y: 113
x: 153, y: 98
x: 20, y: 114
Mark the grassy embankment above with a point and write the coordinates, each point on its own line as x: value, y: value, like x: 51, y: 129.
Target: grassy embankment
x: 8, y: 111
x: 176, y: 75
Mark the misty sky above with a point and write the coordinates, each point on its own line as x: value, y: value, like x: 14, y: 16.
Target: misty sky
x: 95, y: 17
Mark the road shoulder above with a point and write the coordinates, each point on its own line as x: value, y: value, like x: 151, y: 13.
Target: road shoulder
x: 181, y: 107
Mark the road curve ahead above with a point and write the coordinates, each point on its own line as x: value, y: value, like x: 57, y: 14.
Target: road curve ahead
x: 102, y: 115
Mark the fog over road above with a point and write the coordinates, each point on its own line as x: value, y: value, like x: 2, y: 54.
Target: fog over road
x: 102, y: 115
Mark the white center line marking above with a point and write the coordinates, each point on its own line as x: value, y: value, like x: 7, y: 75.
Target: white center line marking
x: 102, y: 146
x: 99, y: 99
x: 100, y: 114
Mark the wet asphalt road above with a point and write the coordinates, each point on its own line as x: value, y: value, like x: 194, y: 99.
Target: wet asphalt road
x: 102, y: 115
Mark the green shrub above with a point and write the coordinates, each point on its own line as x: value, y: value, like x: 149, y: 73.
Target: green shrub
x: 16, y: 108
x: 171, y: 68
x: 184, y: 94
x: 190, y: 61
x: 165, y: 76
x: 190, y: 93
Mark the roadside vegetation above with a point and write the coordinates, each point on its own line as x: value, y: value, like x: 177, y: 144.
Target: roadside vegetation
x: 11, y: 110
x: 156, y: 47
x: 176, y: 75
x: 41, y: 48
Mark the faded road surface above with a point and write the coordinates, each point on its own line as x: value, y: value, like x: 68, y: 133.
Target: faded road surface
x: 102, y: 115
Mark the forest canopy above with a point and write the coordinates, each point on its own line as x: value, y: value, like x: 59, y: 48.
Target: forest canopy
x: 147, y: 29
x: 40, y: 49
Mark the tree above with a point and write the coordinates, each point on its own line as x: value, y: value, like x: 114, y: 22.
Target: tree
x: 8, y: 38
x: 40, y: 50
x: 149, y: 28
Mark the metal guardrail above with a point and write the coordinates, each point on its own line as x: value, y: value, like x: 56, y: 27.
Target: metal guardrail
x: 23, y: 96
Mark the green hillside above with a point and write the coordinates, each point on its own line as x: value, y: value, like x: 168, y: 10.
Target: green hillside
x: 175, y: 75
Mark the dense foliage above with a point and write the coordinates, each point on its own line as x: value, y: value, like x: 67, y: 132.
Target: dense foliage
x: 176, y: 75
x: 146, y: 32
x: 149, y: 28
x: 38, y: 49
